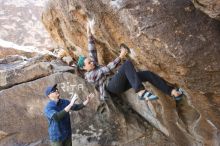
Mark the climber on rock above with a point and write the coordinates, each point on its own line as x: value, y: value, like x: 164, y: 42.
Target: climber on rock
x: 57, y: 114
x: 125, y: 78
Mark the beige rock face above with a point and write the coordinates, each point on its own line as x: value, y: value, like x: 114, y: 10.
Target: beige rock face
x: 9, y: 51
x: 211, y: 8
x: 21, y: 25
x: 171, y: 38
x: 16, y: 69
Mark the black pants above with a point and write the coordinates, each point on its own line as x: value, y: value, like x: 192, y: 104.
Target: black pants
x: 127, y: 78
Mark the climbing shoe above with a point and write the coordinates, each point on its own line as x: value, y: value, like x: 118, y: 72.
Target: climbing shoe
x: 147, y: 96
x: 181, y: 92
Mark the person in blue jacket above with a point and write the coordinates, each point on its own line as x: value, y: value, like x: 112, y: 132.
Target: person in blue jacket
x: 57, y: 114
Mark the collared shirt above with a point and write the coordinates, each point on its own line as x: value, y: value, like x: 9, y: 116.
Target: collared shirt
x: 98, y: 75
x: 59, y: 130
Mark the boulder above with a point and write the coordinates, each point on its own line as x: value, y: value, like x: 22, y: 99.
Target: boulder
x: 10, y: 51
x: 18, y: 69
x: 170, y: 38
x: 211, y: 8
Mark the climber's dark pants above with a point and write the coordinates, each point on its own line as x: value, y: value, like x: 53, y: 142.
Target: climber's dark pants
x: 127, y: 78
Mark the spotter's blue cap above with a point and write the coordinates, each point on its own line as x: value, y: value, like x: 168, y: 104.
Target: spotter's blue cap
x: 49, y: 89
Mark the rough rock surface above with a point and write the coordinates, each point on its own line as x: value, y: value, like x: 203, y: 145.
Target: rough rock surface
x: 211, y: 8
x: 10, y: 51
x: 171, y: 38
x: 100, y: 123
x: 20, y: 23
x: 18, y: 69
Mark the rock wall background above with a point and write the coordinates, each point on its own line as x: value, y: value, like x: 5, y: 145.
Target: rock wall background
x: 20, y: 23
x: 171, y: 38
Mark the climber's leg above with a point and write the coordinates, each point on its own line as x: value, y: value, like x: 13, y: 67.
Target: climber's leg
x: 159, y: 83
x: 126, y: 78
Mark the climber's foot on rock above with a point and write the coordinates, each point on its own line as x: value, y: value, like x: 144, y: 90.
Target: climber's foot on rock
x: 177, y: 94
x: 146, y: 95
